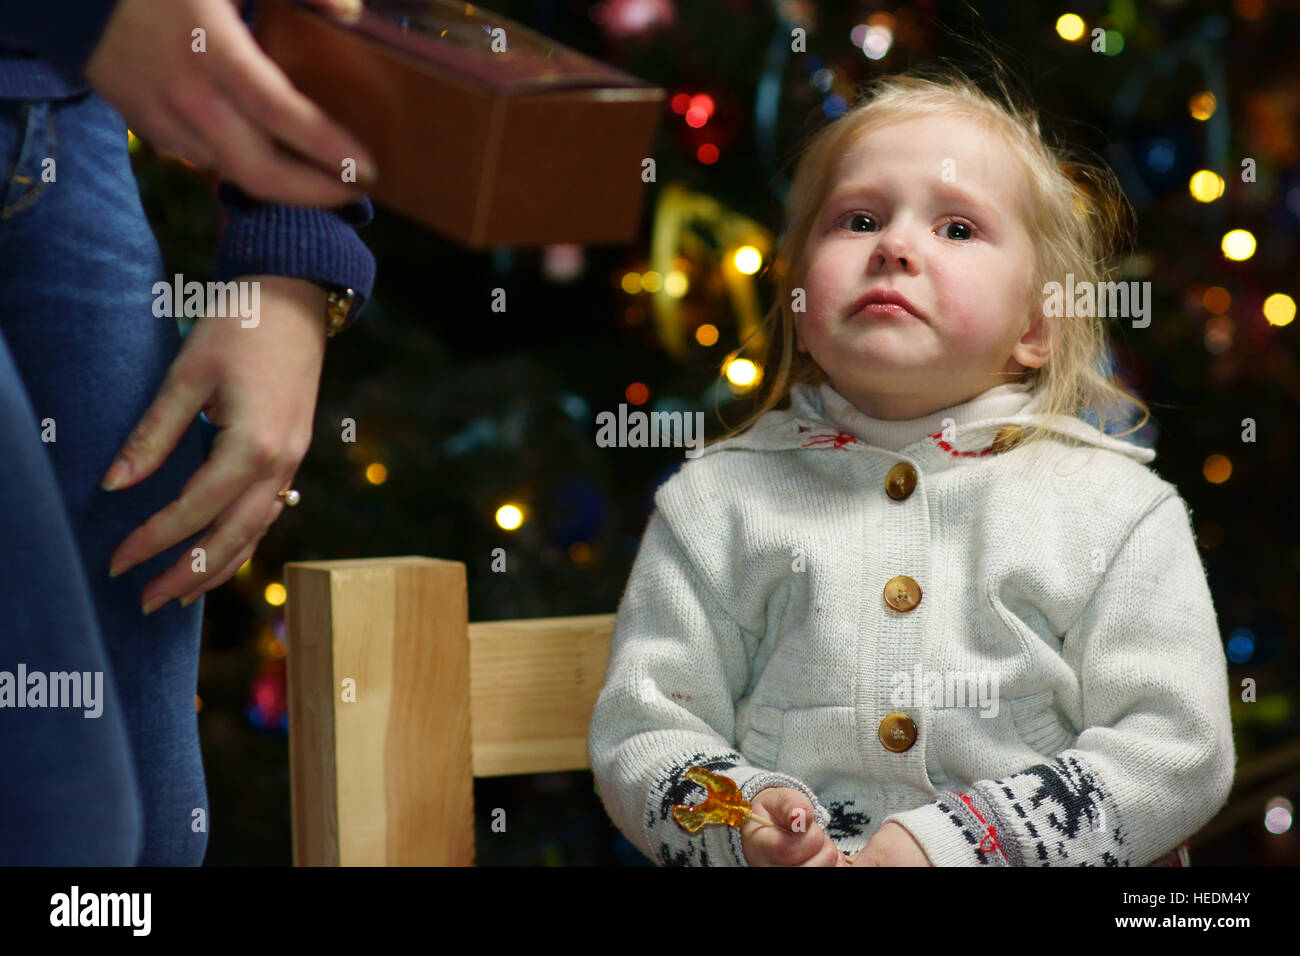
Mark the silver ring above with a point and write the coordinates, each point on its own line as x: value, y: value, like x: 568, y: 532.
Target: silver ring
x: 290, y: 497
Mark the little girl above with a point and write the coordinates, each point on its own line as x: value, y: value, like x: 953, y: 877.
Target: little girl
x: 926, y: 603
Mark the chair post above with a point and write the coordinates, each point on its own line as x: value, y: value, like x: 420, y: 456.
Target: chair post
x: 381, y: 766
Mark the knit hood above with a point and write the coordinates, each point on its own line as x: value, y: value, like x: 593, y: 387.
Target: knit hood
x: 805, y: 425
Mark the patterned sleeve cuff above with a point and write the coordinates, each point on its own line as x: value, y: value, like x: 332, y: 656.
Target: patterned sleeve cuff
x: 957, y: 829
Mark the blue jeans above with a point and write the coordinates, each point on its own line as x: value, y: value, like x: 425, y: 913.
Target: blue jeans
x: 81, y: 358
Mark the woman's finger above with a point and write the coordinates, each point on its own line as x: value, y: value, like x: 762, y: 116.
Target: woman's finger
x: 236, y: 462
x: 349, y: 11
x: 170, y: 132
x: 226, y: 574
x: 237, y: 562
x: 266, y: 97
x: 246, y: 155
x: 178, y: 403
x: 239, y: 528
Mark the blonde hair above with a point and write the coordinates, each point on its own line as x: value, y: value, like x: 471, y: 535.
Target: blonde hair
x: 1076, y: 213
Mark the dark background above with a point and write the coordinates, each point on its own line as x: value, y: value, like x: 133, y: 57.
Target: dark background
x: 468, y: 408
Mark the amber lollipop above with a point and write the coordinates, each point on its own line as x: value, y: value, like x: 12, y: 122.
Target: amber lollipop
x: 723, y: 805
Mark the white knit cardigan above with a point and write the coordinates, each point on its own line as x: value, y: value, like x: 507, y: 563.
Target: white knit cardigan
x: 753, y: 638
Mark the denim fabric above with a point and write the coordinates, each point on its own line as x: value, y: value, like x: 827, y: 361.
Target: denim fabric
x: 81, y: 353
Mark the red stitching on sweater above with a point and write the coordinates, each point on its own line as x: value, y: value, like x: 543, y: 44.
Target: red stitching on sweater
x: 991, y: 837
x: 938, y: 437
x: 840, y: 439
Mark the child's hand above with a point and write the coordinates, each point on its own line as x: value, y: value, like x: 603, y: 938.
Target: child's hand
x: 891, y: 845
x: 796, y: 841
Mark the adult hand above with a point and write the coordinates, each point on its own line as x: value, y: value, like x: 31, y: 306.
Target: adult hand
x: 225, y: 107
x: 258, y: 385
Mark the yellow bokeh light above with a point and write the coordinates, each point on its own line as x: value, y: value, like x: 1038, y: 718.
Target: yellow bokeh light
x: 676, y: 285
x: 580, y: 552
x: 1217, y: 469
x: 132, y: 142
x: 652, y: 281
x: 1238, y: 245
x: 245, y: 569
x: 376, y: 473
x: 742, y: 372
x: 631, y: 283
x: 275, y: 594
x: 510, y: 517
x: 1279, y: 309
x: 1069, y: 26
x: 1202, y: 105
x: 1205, y: 185
x: 748, y: 260
x: 707, y: 334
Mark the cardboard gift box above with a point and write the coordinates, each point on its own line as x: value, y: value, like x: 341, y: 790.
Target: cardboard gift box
x: 482, y: 129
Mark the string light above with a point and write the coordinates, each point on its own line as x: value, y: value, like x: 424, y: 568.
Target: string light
x: 1279, y: 309
x: 1069, y: 26
x: 1205, y: 185
x: 1202, y: 105
x: 509, y: 517
x: 742, y: 373
x: 1217, y: 469
x: 748, y: 260
x: 1238, y: 245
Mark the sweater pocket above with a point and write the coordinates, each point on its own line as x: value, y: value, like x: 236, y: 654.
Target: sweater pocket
x: 1038, y: 725
x: 816, y: 743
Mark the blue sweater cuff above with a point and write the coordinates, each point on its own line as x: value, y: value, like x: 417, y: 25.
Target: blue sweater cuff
x: 65, y: 40
x: 301, y: 242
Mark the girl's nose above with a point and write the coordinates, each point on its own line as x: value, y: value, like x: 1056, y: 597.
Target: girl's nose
x: 894, y: 250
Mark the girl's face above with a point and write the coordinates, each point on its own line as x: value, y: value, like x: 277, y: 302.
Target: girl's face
x: 932, y: 209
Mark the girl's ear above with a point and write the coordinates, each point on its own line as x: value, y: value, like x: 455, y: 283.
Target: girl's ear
x: 1034, y: 347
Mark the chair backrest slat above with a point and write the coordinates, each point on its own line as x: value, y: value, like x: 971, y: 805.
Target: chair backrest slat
x: 396, y: 703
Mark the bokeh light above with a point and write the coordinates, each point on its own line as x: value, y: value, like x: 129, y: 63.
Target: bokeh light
x: 1279, y: 309
x: 1238, y: 245
x: 748, y: 260
x: 1206, y: 185
x: 1217, y: 469
x: 1069, y: 26
x: 509, y: 517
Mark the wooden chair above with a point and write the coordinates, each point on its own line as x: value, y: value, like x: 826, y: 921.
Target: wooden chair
x: 397, y: 702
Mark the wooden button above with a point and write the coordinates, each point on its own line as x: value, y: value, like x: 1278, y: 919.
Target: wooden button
x: 902, y: 593
x: 897, y: 733
x: 1008, y: 437
x: 900, y: 481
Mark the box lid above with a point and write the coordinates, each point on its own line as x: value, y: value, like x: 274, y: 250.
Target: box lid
x: 457, y: 38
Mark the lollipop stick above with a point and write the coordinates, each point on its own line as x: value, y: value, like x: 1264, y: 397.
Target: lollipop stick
x: 763, y: 819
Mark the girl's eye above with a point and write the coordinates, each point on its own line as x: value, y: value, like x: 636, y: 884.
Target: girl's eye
x: 966, y: 230
x: 851, y: 217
